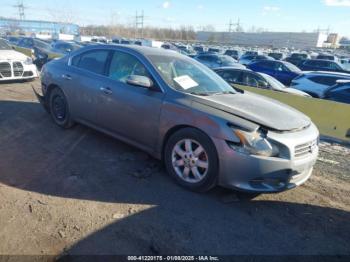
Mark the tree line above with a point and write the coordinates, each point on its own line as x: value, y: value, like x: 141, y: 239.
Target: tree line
x: 181, y: 33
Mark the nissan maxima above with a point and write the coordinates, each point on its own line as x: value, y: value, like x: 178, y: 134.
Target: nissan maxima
x: 183, y: 113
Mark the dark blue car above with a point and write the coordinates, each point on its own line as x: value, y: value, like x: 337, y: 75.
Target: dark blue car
x: 339, y: 92
x: 283, y: 71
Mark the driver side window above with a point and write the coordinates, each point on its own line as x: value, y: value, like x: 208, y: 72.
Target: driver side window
x: 123, y: 65
x: 251, y: 80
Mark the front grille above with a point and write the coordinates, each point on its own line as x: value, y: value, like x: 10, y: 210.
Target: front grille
x: 27, y: 73
x: 17, y: 69
x: 305, y: 149
x: 5, y: 69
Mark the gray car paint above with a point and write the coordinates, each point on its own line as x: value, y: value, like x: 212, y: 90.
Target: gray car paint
x: 144, y: 117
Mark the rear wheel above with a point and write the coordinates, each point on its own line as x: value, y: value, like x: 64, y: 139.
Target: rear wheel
x: 59, y: 108
x: 191, y: 159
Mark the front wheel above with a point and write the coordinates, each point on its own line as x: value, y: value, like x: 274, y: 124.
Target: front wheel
x: 191, y: 159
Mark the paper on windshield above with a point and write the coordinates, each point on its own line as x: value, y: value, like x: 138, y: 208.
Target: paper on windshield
x: 186, y: 82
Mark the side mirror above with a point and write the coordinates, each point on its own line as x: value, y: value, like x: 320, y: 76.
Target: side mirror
x: 68, y: 50
x: 137, y: 80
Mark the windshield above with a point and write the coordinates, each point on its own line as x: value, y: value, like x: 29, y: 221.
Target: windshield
x: 188, y: 76
x: 277, y: 85
x: 227, y: 59
x: 292, y: 67
x: 4, y: 45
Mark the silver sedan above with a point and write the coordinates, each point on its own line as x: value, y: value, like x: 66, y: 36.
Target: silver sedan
x: 181, y: 112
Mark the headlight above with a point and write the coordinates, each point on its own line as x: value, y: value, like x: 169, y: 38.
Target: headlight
x: 28, y: 61
x: 255, y: 143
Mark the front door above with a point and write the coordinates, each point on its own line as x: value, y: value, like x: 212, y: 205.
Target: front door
x: 129, y: 111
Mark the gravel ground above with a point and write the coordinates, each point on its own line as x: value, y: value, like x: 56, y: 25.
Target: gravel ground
x: 81, y: 192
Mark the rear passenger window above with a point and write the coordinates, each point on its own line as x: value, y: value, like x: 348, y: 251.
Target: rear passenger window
x: 324, y: 80
x: 93, y: 61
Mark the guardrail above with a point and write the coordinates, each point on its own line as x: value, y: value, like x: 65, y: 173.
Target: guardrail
x: 332, y: 118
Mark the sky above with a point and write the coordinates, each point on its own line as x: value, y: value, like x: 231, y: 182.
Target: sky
x: 274, y: 15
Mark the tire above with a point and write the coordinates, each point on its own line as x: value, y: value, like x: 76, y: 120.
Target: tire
x: 195, y: 169
x: 59, y: 108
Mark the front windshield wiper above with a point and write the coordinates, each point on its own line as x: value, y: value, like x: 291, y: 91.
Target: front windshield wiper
x: 224, y: 93
x: 199, y: 94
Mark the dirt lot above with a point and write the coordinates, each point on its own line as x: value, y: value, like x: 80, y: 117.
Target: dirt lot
x: 81, y: 192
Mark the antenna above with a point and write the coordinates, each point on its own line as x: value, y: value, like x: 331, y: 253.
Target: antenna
x: 20, y: 6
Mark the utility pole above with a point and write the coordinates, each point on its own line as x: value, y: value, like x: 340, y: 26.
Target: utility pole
x: 231, y: 26
x: 20, y: 6
x: 139, y: 22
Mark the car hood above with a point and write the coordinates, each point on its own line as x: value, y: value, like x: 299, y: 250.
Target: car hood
x: 12, y: 55
x: 258, y: 109
x: 294, y: 91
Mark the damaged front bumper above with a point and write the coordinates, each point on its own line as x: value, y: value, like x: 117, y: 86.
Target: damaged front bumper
x: 41, y: 98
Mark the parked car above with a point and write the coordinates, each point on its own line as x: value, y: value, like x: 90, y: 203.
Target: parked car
x: 339, y: 92
x: 277, y: 55
x: 235, y: 54
x: 297, y: 58
x: 246, y: 77
x: 169, y: 46
x: 328, y: 57
x: 214, y: 50
x: 321, y: 65
x: 251, y: 53
x: 13, y: 40
x: 15, y: 65
x: 206, y: 133
x: 216, y: 60
x: 42, y: 52
x: 247, y: 59
x: 317, y: 83
x: 62, y: 47
x: 199, y: 49
x: 281, y: 70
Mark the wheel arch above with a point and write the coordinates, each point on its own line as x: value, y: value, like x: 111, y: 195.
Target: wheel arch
x: 175, y: 129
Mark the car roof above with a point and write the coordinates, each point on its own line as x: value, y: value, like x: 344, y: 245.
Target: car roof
x: 320, y: 60
x: 232, y: 68
x: 143, y: 50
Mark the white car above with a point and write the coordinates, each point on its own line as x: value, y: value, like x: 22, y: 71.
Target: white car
x: 316, y: 83
x: 15, y: 65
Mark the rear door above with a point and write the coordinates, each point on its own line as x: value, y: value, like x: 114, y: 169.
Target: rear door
x: 83, y: 81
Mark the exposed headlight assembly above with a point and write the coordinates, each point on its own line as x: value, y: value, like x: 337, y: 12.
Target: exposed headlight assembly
x: 254, y: 143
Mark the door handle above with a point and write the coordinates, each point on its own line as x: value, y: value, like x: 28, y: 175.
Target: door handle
x: 67, y: 77
x: 106, y: 90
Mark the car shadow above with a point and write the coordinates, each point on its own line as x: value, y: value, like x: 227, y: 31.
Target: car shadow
x: 37, y: 156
